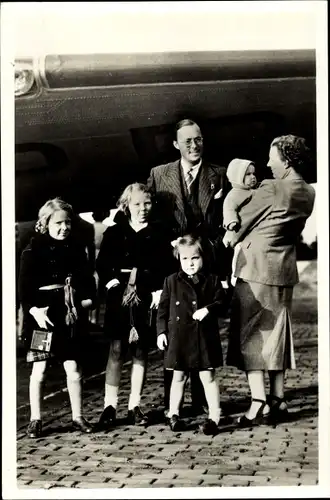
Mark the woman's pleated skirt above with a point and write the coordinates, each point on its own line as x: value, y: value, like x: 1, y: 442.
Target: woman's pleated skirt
x: 260, y: 335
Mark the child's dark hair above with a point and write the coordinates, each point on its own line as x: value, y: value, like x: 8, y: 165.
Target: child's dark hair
x: 187, y: 241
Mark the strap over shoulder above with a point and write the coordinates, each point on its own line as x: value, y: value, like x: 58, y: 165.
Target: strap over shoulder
x: 71, y: 315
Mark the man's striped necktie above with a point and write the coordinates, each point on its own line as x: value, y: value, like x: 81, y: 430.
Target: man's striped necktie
x: 189, y: 179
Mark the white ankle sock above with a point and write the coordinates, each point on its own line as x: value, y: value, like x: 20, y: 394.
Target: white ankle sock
x: 111, y: 395
x: 214, y: 414
x: 134, y: 400
x: 137, y: 376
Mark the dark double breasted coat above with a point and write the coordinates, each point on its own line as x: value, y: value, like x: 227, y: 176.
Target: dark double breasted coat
x: 46, y: 261
x: 149, y: 250
x: 192, y: 344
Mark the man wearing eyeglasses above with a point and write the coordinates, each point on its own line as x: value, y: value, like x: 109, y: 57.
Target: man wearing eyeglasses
x: 190, y: 191
x: 189, y: 194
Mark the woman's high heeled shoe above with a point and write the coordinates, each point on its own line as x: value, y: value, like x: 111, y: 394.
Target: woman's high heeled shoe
x: 259, y: 419
x: 277, y: 414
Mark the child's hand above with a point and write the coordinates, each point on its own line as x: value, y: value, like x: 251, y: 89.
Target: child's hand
x: 162, y: 341
x: 233, y: 226
x: 227, y: 239
x: 200, y: 314
x: 86, y: 303
x: 155, y: 299
x: 41, y: 317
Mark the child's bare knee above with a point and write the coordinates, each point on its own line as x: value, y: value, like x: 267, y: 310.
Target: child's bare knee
x: 38, y: 372
x: 73, y: 376
x: 179, y: 376
x: 37, y: 377
x: 116, y: 351
x: 207, y: 376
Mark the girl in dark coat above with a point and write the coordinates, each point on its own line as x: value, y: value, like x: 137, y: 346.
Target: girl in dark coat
x: 187, y: 327
x: 55, y: 285
x: 134, y: 259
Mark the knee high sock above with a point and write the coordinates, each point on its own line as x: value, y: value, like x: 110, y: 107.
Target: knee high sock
x: 137, y: 379
x: 111, y: 395
x: 112, y: 380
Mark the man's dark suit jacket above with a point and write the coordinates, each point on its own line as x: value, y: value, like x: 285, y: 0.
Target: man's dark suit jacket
x: 165, y: 182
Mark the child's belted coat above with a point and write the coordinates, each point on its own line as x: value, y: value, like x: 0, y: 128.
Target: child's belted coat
x: 192, y: 344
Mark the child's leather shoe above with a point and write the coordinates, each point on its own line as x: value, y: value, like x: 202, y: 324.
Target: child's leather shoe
x: 175, y: 423
x: 34, y: 429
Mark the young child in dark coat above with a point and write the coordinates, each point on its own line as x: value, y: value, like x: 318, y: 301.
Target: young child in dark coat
x: 188, y: 331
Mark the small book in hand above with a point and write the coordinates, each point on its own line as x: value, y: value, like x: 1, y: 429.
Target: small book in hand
x: 41, y: 340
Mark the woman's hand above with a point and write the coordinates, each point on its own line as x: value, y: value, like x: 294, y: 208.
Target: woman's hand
x: 86, y: 303
x: 227, y: 239
x: 233, y: 226
x: 162, y: 341
x: 200, y: 314
x: 155, y: 299
x: 40, y: 315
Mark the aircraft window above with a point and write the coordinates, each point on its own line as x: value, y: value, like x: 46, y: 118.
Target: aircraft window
x: 28, y: 160
x: 34, y: 156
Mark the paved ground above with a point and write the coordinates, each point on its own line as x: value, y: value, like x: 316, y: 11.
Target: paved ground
x: 156, y: 457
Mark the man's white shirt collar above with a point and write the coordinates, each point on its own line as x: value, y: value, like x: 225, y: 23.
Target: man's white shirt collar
x: 187, y: 166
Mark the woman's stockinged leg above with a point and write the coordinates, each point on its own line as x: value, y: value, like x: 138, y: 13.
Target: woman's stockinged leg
x: 276, y: 382
x: 74, y: 384
x: 212, y: 394
x: 176, y: 393
x: 257, y: 386
x: 137, y: 382
x: 35, y: 388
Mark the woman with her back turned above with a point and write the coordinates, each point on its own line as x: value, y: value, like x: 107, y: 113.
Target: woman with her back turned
x: 261, y: 337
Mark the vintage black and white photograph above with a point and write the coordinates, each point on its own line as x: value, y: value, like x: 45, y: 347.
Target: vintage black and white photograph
x: 165, y: 242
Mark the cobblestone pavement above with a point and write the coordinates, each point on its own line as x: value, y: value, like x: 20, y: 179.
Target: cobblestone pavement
x: 154, y: 457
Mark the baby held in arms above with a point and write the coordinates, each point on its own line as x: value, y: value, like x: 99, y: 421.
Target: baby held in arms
x: 241, y: 175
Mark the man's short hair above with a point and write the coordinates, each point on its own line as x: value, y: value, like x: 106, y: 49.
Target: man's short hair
x: 184, y: 123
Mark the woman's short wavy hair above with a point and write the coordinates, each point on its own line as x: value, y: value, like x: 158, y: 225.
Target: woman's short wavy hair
x: 48, y: 209
x: 126, y: 196
x: 188, y: 240
x: 294, y: 150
